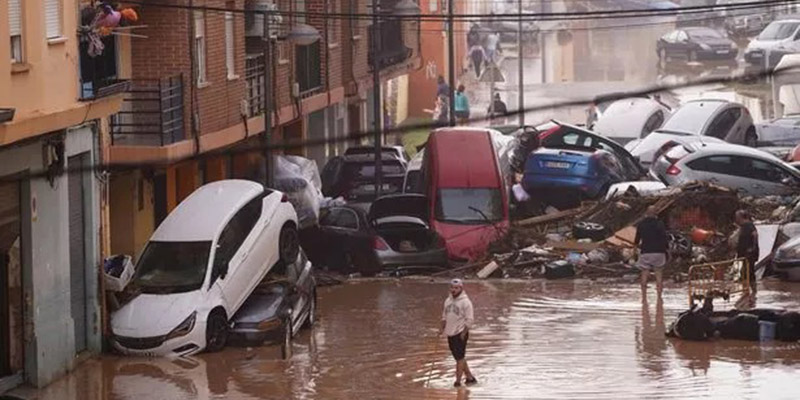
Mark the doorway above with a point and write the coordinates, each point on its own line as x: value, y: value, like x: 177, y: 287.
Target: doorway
x: 11, y: 292
x: 77, y: 192
x: 159, y: 199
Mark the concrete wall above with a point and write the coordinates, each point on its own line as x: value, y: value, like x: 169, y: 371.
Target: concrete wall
x: 132, y: 223
x: 50, y: 341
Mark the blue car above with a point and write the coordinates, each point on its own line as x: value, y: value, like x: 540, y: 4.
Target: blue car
x: 565, y: 176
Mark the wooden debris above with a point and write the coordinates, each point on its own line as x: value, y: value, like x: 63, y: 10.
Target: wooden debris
x: 488, y: 270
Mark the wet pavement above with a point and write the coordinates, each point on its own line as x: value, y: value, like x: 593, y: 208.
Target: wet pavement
x: 561, y: 340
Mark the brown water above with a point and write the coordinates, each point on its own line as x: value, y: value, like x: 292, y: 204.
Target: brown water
x: 564, y: 340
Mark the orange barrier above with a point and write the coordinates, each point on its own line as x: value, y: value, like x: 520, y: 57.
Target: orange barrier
x: 720, y: 279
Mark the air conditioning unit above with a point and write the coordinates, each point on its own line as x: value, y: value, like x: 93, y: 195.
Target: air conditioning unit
x: 254, y: 22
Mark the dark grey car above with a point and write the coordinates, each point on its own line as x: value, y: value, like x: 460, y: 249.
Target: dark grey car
x: 285, y: 301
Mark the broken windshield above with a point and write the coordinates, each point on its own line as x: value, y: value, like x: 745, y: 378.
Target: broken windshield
x: 172, y: 267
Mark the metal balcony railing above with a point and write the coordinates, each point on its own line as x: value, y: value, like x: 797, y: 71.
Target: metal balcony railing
x: 255, y: 74
x: 152, y: 113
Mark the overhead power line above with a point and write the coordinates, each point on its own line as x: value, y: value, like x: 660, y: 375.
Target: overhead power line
x: 653, y: 89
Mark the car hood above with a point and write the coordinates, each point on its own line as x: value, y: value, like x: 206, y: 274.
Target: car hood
x: 758, y: 44
x: 715, y: 41
x: 469, y: 242
x: 259, y: 307
x: 150, y: 315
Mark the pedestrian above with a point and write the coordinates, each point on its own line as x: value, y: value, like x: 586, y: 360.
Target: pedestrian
x: 492, y: 46
x: 473, y: 36
x: 457, y: 320
x: 478, y: 55
x: 747, y: 245
x: 442, y: 88
x: 441, y: 111
x: 498, y: 107
x: 462, y: 105
x: 651, y: 238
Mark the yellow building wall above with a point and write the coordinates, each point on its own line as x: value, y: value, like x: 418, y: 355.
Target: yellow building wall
x: 131, y: 211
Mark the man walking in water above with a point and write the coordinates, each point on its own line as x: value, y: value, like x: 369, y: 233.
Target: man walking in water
x: 651, y: 237
x: 457, y: 319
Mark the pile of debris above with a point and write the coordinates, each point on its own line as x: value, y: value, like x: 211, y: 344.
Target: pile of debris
x: 597, y: 239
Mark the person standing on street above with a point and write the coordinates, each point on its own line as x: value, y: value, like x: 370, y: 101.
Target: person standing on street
x: 462, y: 105
x: 497, y: 108
x: 457, y: 319
x: 442, y: 88
x: 747, y: 245
x: 477, y: 55
x: 492, y: 47
x: 652, y: 240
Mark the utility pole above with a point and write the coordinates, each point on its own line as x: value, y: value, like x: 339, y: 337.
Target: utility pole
x: 451, y: 63
x: 376, y: 98
x: 266, y: 140
x: 521, y: 75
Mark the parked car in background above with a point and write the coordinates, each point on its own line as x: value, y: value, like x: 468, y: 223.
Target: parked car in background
x: 718, y: 119
x: 630, y: 119
x: 695, y: 44
x: 784, y: 131
x: 786, y: 261
x: 353, y: 177
x: 467, y: 194
x: 396, y: 151
x: 281, y: 304
x: 747, y: 170
x: 394, y: 234
x: 778, y: 38
x: 560, y: 135
x: 564, y: 177
x: 742, y: 22
x: 200, y: 266
x: 413, y: 180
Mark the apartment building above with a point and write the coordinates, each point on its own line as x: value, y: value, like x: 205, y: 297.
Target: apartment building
x: 54, y: 113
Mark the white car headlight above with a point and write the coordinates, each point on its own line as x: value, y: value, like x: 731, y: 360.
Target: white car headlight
x: 184, y: 328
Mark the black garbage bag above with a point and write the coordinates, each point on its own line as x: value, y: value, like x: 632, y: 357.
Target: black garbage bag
x: 559, y: 270
x: 743, y: 326
x: 788, y: 327
x: 692, y: 325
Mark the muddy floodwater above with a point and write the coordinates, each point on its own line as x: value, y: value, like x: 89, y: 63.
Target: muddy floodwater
x: 563, y: 340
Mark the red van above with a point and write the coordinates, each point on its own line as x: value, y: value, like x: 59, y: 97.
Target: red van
x: 466, y: 191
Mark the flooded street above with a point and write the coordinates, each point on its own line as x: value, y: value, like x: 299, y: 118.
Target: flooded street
x: 376, y: 340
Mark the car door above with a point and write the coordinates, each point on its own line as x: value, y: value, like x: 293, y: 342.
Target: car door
x: 766, y: 178
x: 237, y: 268
x: 720, y: 170
x: 721, y: 126
x: 339, y: 228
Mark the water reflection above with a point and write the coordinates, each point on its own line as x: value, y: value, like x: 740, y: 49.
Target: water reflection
x: 376, y: 340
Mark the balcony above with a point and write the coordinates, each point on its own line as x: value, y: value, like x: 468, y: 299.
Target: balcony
x: 151, y: 115
x: 391, y: 48
x: 99, y: 71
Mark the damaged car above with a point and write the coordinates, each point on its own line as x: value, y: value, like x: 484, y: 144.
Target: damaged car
x: 394, y: 234
x: 284, y: 302
x: 200, y: 266
x: 786, y: 261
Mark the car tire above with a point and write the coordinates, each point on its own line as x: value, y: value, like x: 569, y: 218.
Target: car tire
x: 751, y: 138
x: 286, y: 340
x: 589, y: 230
x: 288, y: 244
x: 312, y: 311
x: 216, y: 331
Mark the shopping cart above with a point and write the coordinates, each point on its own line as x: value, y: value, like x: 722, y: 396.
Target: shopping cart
x: 721, y: 279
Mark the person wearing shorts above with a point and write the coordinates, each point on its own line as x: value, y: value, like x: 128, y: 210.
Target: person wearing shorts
x: 653, y: 243
x: 457, y: 319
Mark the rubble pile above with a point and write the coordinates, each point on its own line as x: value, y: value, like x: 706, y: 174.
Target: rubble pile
x: 597, y: 239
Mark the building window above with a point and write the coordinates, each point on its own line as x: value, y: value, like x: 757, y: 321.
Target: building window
x: 433, y: 6
x: 308, y: 68
x: 333, y: 24
x: 52, y: 18
x: 300, y: 9
x: 15, y: 30
x: 200, y: 45
x: 230, y: 51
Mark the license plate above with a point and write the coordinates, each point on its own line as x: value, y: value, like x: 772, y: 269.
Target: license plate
x: 559, y: 165
x: 723, y: 51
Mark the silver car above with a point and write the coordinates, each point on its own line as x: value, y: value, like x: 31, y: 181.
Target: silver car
x: 749, y: 171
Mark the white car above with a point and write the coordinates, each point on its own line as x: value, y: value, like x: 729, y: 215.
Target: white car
x: 200, y: 266
x: 784, y: 131
x: 749, y: 171
x: 778, y: 38
x: 630, y: 119
x: 713, y: 120
x: 413, y: 180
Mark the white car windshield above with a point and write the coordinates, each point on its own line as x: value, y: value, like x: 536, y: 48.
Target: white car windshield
x: 778, y: 30
x: 469, y: 206
x: 691, y: 118
x: 172, y: 267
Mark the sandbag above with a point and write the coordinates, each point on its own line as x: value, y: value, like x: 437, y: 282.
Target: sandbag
x: 692, y: 325
x: 743, y: 326
x: 788, y: 327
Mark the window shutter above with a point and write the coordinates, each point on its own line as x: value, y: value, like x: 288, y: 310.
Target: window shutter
x: 229, y: 44
x: 52, y: 18
x: 14, y: 18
